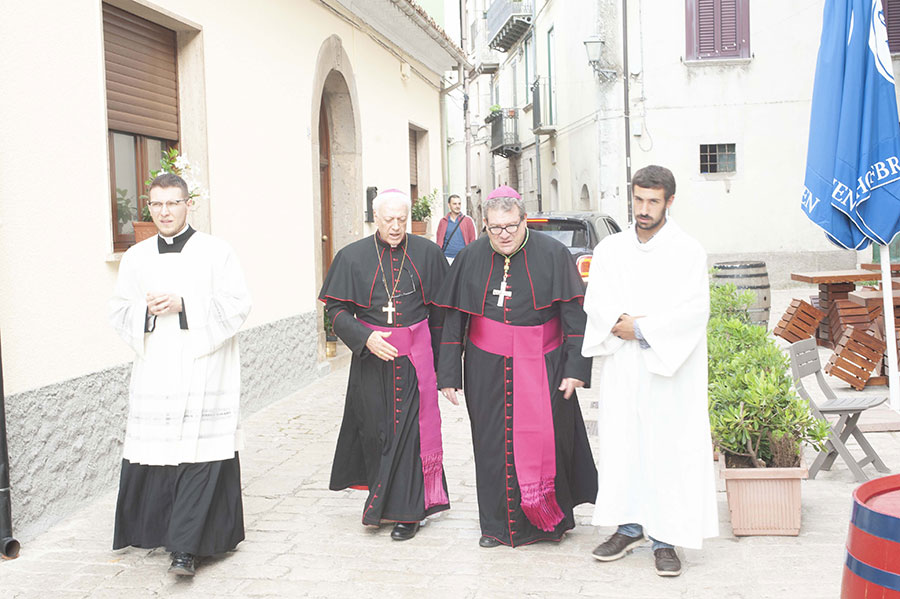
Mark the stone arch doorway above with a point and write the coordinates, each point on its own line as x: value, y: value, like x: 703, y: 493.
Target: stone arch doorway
x: 338, y: 194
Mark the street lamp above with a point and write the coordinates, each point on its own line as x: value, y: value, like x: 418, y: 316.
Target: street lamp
x: 594, y: 48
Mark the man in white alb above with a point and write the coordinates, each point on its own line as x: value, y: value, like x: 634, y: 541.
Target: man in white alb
x: 179, y: 301
x: 647, y: 306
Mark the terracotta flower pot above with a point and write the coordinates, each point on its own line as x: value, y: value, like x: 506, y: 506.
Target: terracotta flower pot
x: 418, y: 227
x: 330, y: 349
x: 764, y: 501
x: 143, y: 230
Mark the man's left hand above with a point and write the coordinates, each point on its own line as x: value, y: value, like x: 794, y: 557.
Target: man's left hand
x: 624, y: 327
x: 568, y: 386
x: 164, y: 303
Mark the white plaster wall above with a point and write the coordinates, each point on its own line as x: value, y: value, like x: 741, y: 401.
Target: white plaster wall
x: 259, y: 59
x: 762, y: 105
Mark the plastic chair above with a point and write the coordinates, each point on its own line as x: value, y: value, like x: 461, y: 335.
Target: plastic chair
x: 804, y: 362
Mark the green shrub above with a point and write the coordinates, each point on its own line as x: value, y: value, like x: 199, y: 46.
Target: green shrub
x: 754, y: 410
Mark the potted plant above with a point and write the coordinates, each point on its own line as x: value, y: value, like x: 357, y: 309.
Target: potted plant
x: 421, y: 210
x: 330, y: 337
x: 170, y: 162
x: 759, y: 424
x: 495, y: 112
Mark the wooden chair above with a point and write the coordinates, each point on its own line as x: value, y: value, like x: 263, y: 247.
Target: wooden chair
x: 804, y: 362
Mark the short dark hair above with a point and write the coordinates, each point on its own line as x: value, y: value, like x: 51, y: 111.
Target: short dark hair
x: 450, y: 199
x: 655, y: 177
x: 168, y: 180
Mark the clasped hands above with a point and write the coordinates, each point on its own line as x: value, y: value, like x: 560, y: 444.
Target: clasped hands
x: 624, y: 327
x: 164, y: 303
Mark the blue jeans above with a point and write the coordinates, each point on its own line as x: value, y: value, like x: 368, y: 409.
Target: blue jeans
x: 636, y: 530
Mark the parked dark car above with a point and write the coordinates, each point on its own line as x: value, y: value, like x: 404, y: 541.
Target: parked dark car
x: 578, y: 231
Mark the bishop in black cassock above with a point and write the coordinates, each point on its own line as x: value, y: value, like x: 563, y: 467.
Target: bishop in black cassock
x: 389, y: 442
x: 532, y: 458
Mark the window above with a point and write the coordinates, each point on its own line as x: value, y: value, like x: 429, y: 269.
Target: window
x: 529, y: 69
x: 717, y: 29
x: 717, y: 158
x: 142, y: 110
x: 891, y: 9
x: 551, y: 91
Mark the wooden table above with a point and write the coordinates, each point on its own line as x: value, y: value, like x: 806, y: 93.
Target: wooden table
x: 833, y: 285
x: 895, y: 266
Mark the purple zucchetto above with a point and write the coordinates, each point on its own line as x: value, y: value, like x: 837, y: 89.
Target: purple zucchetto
x: 504, y: 191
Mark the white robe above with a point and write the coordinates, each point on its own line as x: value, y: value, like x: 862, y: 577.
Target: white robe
x: 184, y: 398
x: 655, y: 460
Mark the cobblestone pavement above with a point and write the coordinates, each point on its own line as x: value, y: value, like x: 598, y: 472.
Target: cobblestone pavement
x: 306, y: 541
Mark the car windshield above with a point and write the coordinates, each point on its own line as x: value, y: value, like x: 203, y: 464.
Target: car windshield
x: 570, y: 233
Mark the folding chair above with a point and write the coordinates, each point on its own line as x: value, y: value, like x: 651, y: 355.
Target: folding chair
x: 804, y: 362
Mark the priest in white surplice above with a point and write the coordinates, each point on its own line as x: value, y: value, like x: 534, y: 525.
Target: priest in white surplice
x: 179, y: 301
x: 647, y: 306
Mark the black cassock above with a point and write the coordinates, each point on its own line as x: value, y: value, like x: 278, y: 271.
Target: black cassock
x: 378, y: 445
x: 545, y: 284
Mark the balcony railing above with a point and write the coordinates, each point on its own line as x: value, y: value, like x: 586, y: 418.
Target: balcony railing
x: 485, y: 59
x: 505, y: 132
x: 507, y: 22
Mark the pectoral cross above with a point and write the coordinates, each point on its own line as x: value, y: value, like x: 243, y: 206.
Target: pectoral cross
x: 390, y: 311
x: 502, y: 293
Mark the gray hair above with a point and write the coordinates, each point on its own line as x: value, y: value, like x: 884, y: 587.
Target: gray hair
x: 391, y: 195
x: 503, y: 204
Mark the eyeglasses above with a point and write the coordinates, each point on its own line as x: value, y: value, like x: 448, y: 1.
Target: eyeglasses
x: 157, y: 206
x: 511, y: 229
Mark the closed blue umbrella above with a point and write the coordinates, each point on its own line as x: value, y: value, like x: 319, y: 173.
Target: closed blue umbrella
x: 852, y: 183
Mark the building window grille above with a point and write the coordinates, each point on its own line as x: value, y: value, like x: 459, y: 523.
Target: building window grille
x: 717, y: 158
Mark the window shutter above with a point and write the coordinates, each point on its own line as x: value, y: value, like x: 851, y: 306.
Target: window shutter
x: 141, y: 75
x: 891, y: 9
x: 706, y: 28
x: 413, y: 159
x: 717, y: 29
x: 728, y: 30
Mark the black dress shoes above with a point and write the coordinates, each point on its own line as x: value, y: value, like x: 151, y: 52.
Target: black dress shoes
x: 404, y: 531
x: 488, y: 542
x: 183, y: 564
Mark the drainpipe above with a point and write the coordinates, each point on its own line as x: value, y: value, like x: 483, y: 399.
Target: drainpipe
x: 627, y: 112
x: 445, y: 159
x: 534, y: 90
x: 9, y: 547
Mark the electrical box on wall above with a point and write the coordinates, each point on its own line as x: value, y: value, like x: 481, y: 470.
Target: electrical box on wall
x: 371, y: 192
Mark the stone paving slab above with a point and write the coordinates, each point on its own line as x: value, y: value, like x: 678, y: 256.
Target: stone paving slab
x: 306, y: 541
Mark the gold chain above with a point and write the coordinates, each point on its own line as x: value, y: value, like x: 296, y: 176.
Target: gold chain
x: 383, y: 278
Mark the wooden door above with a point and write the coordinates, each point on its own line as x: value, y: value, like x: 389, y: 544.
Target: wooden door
x: 325, y: 186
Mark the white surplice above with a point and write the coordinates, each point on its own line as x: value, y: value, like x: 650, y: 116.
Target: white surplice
x: 655, y: 459
x: 184, y: 399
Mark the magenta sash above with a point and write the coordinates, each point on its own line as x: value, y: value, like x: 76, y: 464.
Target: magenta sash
x: 534, y: 443
x: 415, y: 342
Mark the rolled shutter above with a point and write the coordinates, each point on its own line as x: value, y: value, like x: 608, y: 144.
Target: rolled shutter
x: 141, y: 75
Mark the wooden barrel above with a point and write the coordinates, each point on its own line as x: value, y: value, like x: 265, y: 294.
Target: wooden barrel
x: 748, y: 276
x: 872, y: 567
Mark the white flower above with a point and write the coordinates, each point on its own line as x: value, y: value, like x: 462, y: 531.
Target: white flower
x: 182, y: 163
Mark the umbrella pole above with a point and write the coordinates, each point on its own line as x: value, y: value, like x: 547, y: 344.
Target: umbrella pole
x: 890, y: 333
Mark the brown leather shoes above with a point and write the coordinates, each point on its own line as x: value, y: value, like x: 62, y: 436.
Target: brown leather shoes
x: 616, y: 547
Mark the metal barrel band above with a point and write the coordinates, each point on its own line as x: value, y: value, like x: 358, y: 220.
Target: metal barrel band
x: 875, y: 523
x: 888, y: 580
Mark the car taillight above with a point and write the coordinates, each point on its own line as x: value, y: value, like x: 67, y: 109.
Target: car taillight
x: 584, y: 266
x: 538, y: 220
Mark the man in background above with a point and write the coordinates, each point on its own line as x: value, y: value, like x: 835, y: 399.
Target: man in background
x: 455, y: 231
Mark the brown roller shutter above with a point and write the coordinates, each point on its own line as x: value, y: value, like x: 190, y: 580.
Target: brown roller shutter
x: 141, y: 75
x: 413, y: 158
